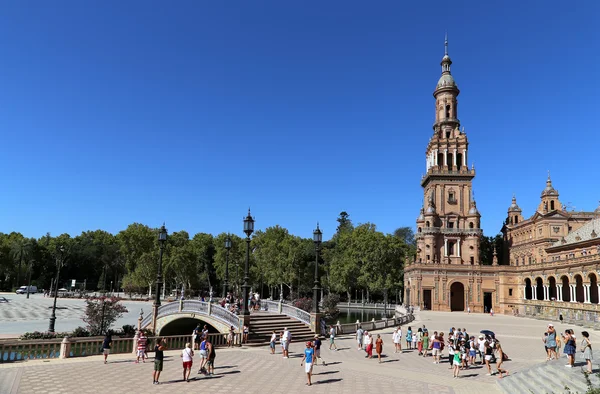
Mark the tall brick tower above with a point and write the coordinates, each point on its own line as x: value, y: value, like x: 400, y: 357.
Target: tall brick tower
x: 448, y: 229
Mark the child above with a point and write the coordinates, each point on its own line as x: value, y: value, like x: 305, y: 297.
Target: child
x: 456, y: 360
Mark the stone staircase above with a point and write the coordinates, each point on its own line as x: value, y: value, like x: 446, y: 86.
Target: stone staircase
x: 262, y: 325
x: 549, y: 377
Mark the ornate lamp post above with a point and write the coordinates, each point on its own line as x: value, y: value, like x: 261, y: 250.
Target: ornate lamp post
x: 248, y: 229
x: 226, y: 282
x: 317, y: 239
x: 59, y: 262
x: 162, y: 238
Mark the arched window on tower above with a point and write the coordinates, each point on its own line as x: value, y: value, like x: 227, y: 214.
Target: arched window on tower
x: 516, y: 219
x: 552, y: 205
x: 427, y: 224
x: 447, y: 111
x: 470, y: 224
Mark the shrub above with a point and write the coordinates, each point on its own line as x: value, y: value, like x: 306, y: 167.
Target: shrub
x: 101, y: 314
x: 80, y: 332
x: 129, y: 330
x: 303, y: 303
x: 330, y: 302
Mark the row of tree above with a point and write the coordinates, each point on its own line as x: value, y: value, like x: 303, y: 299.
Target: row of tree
x: 356, y: 257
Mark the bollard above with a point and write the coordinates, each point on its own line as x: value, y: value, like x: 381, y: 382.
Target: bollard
x: 65, y: 348
x: 135, y: 344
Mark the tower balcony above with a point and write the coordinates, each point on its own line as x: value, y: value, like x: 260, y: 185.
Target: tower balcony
x: 448, y: 171
x: 449, y: 231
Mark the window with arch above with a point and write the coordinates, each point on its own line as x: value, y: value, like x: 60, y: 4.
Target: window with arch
x: 448, y: 111
x: 427, y: 224
x: 419, y: 229
x: 471, y: 225
x: 516, y: 219
x: 552, y: 205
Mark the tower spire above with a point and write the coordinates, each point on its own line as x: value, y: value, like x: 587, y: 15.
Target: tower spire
x: 446, y: 44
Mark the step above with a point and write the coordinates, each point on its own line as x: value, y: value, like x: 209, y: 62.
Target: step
x: 543, y: 384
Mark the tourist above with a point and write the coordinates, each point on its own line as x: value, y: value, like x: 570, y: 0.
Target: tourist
x: 141, y: 347
x: 317, y: 346
x: 396, y: 338
x: 409, y: 338
x: 369, y: 345
x: 230, y: 337
x: 246, y: 331
x: 282, y: 343
x: 586, y: 349
x: 400, y: 339
x: 472, y: 351
x: 359, y: 337
x: 551, y: 343
x: 308, y: 358
x: 159, y: 348
x: 106, y: 345
x: 455, y: 361
x: 414, y: 340
x: 203, y: 356
x: 489, y: 351
x: 570, y: 348
x: 205, y: 332
x: 196, y: 337
x: 436, y: 348
x: 425, y: 343
x: 332, y: 338
x: 287, y: 337
x: 272, y: 342
x: 481, y: 345
x: 464, y: 354
x: 451, y: 350
x: 210, y: 363
x: 500, y: 360
x: 379, y: 347
x: 187, y: 356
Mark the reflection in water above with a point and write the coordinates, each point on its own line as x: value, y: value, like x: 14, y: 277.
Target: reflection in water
x: 352, y: 315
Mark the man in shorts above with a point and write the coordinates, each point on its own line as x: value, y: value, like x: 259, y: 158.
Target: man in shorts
x: 159, y: 348
x: 332, y: 338
x: 210, y: 363
x: 359, y: 337
x: 285, y: 342
x: 203, y: 356
x: 317, y: 346
x: 308, y: 357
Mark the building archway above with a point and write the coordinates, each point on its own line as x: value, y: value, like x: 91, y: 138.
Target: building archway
x: 579, y: 297
x: 185, y: 326
x: 593, y: 288
x: 539, y: 289
x: 566, y: 290
x: 457, y: 297
x: 528, y: 289
x: 552, y: 288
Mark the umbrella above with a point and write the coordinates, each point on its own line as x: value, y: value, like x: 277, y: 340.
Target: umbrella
x: 488, y: 333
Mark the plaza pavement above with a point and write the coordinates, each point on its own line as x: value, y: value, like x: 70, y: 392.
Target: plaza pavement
x: 254, y: 370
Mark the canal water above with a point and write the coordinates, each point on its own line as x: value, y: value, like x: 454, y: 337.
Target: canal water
x: 352, y: 315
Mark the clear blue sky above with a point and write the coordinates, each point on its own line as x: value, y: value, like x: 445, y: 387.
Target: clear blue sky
x: 188, y: 112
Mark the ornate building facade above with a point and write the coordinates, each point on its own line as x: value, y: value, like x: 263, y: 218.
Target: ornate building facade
x: 551, y: 260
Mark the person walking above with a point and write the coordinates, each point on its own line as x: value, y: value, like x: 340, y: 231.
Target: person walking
x: 420, y: 341
x: 586, y: 349
x: 332, y: 338
x: 369, y: 345
x: 396, y: 338
x: 272, y: 342
x: 488, y: 357
x: 230, y: 337
x: 379, y: 347
x: 436, y: 348
x: 159, y: 348
x: 425, y: 343
x: 287, y: 337
x: 551, y: 342
x: 187, y: 356
x: 245, y: 334
x: 500, y: 360
x: 409, y: 338
x: 455, y: 360
x: 210, y: 363
x: 196, y: 337
x: 141, y: 347
x: 106, y: 345
x: 570, y: 348
x: 359, y: 337
x: 317, y: 347
x: 307, y: 359
x: 203, y: 356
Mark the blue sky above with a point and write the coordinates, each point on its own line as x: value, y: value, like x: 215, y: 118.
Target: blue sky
x: 116, y: 112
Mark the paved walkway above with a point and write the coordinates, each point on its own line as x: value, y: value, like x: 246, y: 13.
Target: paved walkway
x: 254, y: 370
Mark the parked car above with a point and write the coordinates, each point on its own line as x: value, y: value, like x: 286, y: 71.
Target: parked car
x: 23, y: 290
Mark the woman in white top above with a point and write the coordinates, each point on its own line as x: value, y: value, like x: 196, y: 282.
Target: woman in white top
x: 187, y: 355
x: 397, y: 338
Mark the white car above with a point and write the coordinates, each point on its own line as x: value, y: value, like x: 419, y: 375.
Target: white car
x: 23, y: 290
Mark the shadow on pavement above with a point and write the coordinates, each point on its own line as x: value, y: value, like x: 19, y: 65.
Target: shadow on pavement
x: 334, y: 363
x: 389, y: 361
x: 469, y: 375
x: 229, y: 372
x: 326, y: 381
x: 226, y: 366
x: 325, y: 373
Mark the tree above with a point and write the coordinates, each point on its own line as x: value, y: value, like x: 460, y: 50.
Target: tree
x: 102, y: 313
x: 344, y: 223
x: 406, y: 234
x: 21, y: 252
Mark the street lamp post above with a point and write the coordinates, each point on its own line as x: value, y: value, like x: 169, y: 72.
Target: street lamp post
x: 248, y: 229
x: 59, y: 261
x: 162, y: 238
x: 226, y: 282
x: 317, y: 239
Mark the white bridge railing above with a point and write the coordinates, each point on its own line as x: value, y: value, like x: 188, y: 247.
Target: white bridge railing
x: 199, y: 307
x: 285, y: 309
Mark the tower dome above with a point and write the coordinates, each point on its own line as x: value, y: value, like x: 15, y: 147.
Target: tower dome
x: 514, y: 207
x: 549, y: 190
x: 473, y: 210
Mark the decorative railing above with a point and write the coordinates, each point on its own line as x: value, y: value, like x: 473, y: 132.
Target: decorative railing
x: 366, y: 305
x: 193, y: 306
x: 269, y: 306
x: 351, y: 328
x: 17, y: 350
x: 296, y: 313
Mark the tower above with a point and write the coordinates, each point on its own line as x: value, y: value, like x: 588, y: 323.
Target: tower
x: 549, y: 198
x: 448, y: 227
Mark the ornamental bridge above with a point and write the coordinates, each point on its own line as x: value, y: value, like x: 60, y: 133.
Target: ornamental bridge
x: 272, y: 316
